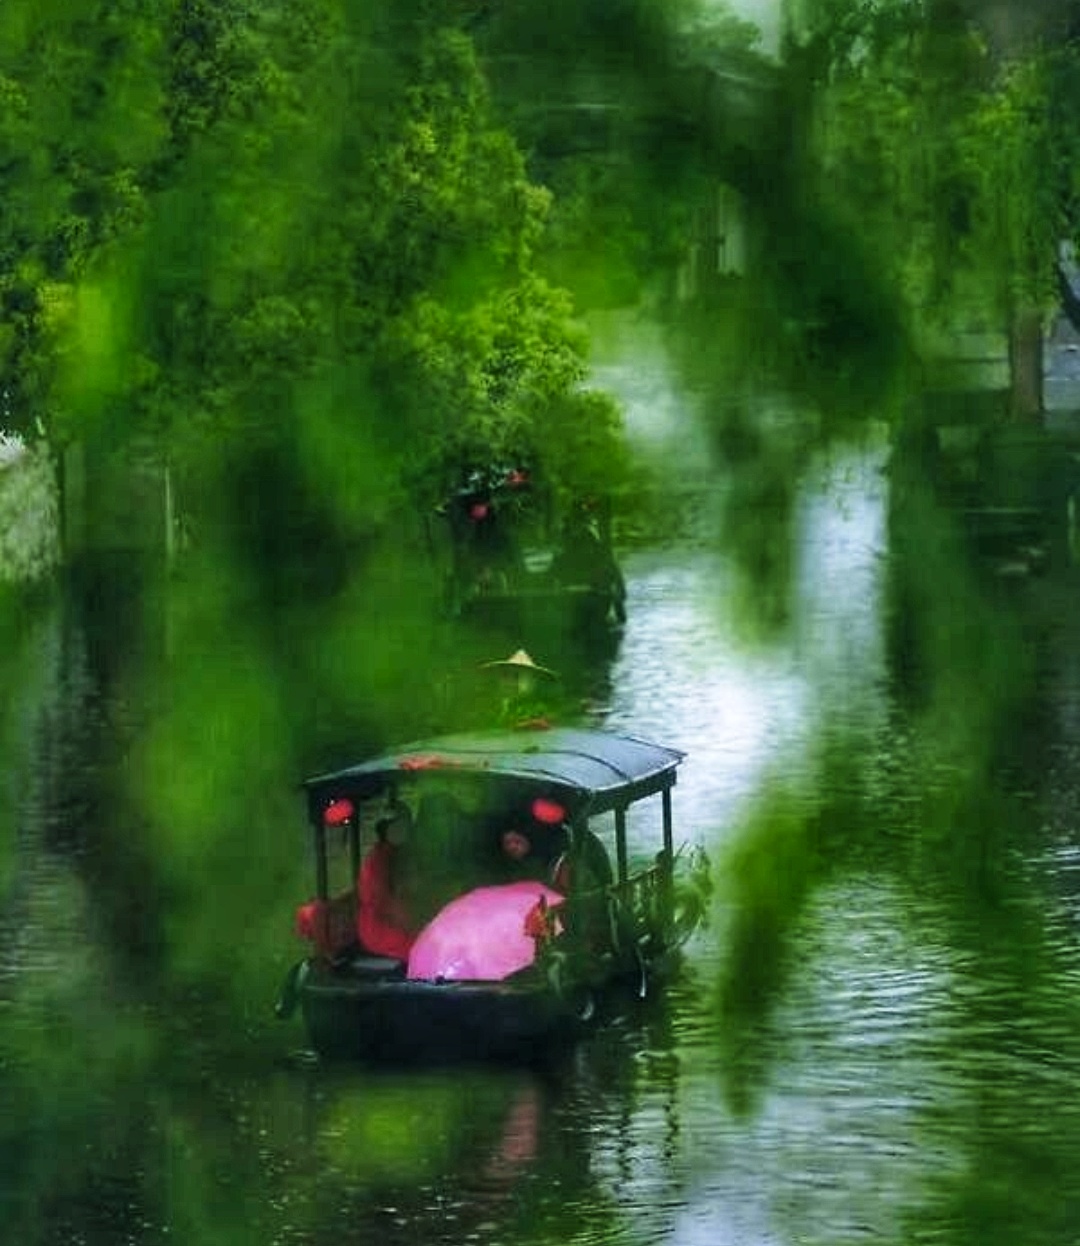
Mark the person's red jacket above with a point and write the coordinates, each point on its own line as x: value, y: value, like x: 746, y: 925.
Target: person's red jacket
x: 381, y: 922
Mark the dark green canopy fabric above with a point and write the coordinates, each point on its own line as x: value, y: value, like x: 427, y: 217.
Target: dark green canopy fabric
x: 592, y: 770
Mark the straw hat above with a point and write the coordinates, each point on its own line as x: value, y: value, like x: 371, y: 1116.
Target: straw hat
x: 519, y: 661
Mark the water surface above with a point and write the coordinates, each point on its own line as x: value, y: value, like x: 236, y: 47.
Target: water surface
x: 871, y: 1042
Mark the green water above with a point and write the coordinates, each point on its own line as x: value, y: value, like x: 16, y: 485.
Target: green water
x: 877, y: 1039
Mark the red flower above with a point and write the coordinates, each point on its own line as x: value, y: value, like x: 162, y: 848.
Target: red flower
x: 539, y: 921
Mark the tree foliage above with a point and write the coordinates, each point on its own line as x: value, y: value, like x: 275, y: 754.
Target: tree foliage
x: 954, y: 154
x: 285, y: 230
x: 80, y: 124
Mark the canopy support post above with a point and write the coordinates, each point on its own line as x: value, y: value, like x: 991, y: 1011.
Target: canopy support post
x: 669, y: 846
x: 321, y: 882
x: 667, y: 873
x: 354, y: 846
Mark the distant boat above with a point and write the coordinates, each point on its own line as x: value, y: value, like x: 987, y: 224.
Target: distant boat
x: 510, y: 564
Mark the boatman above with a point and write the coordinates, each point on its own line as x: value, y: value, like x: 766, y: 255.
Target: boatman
x: 525, y: 689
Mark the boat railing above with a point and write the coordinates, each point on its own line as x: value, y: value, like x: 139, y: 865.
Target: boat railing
x: 640, y: 886
x: 645, y: 896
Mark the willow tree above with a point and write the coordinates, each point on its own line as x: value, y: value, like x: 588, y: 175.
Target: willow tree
x: 945, y: 132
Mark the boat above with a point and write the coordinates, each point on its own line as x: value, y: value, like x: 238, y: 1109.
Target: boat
x: 512, y: 563
x: 513, y: 955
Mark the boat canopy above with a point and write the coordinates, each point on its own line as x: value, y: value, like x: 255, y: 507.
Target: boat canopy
x: 591, y: 771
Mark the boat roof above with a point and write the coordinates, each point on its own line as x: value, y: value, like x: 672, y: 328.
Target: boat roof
x: 593, y: 770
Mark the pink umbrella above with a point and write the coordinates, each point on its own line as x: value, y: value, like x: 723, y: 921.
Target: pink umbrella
x: 480, y: 936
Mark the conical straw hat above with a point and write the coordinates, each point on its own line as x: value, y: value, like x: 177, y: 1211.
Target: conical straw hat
x: 521, y: 661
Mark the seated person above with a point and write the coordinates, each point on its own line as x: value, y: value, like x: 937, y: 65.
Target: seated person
x: 580, y: 872
x: 518, y: 859
x: 529, y: 853
x: 382, y: 923
x: 542, y: 846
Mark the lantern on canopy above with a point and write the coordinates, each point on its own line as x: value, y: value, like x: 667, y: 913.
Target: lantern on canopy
x: 550, y: 812
x: 338, y: 813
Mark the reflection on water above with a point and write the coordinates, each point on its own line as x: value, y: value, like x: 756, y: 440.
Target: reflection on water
x: 907, y: 1077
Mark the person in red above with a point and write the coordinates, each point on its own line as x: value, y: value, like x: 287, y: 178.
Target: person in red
x: 382, y: 923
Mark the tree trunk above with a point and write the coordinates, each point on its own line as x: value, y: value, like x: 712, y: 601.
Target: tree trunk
x: 1026, y: 364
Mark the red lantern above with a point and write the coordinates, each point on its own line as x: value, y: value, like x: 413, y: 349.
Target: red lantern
x: 338, y: 813
x: 550, y: 812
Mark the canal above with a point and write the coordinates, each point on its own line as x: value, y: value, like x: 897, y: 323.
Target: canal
x: 877, y: 1038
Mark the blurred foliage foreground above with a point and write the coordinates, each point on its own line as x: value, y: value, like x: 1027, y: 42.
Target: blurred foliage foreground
x: 282, y: 264
x: 285, y: 255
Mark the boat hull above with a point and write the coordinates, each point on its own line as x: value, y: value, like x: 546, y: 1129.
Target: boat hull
x: 402, y: 1021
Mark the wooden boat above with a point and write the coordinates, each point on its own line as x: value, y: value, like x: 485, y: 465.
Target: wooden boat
x: 589, y: 931
x: 514, y: 565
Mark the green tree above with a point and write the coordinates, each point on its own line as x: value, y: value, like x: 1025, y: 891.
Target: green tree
x: 80, y: 124
x: 338, y: 265
x: 946, y: 137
